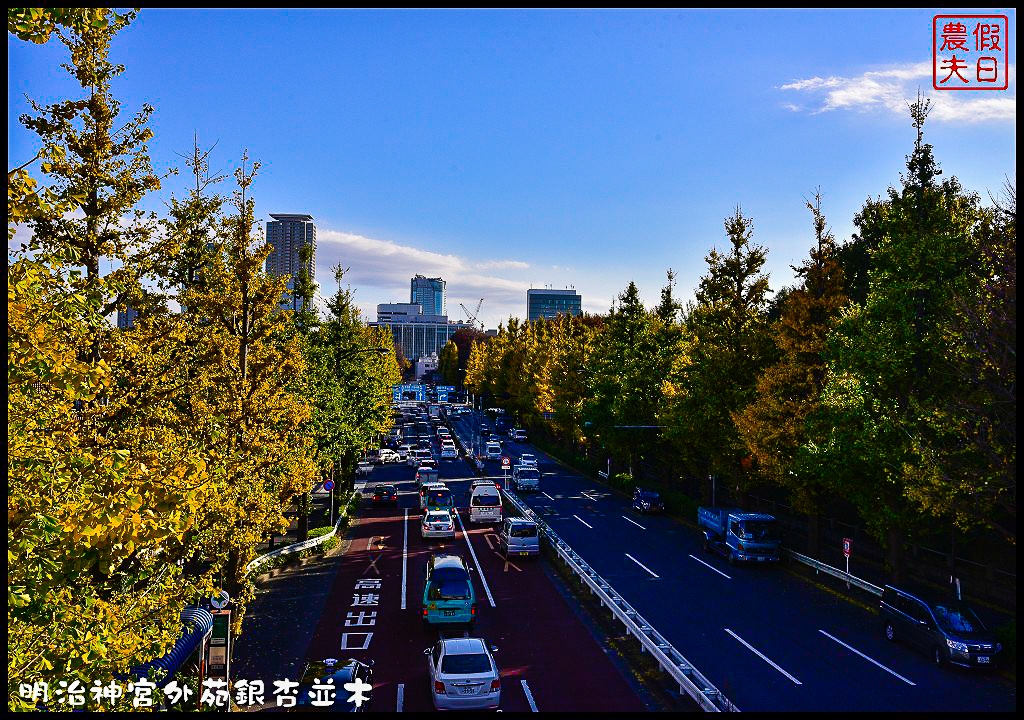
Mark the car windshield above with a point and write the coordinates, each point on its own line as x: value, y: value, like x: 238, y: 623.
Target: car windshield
x: 529, y: 474
x: 465, y: 664
x: 439, y: 497
x: 648, y: 495
x: 437, y: 517
x: 760, y: 530
x: 449, y: 590
x: 958, y: 619
x: 486, y: 500
x: 523, y: 530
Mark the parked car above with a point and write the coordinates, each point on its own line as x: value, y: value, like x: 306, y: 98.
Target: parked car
x: 528, y: 459
x: 385, y: 495
x: 323, y: 672
x: 526, y: 477
x: 519, y: 536
x: 463, y: 674
x: 947, y: 630
x: 448, y: 595
x: 387, y: 455
x: 647, y: 501
x: 437, y: 524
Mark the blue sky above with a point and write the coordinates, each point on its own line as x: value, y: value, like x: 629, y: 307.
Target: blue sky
x: 507, y: 149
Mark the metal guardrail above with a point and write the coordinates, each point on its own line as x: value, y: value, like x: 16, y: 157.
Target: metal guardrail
x: 671, y: 660
x: 304, y: 544
x: 835, y: 572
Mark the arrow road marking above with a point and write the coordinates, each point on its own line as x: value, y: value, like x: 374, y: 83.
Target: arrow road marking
x: 762, y: 656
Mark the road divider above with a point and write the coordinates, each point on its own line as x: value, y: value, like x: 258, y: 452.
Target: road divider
x: 671, y: 661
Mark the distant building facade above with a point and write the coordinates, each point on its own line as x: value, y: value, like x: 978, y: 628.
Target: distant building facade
x: 551, y: 303
x: 428, y: 292
x: 287, y: 233
x: 418, y: 333
x: 126, y: 317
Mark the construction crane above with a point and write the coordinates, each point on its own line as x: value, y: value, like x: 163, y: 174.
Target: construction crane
x: 471, y: 316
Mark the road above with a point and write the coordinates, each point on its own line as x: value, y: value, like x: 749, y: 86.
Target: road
x: 549, y: 660
x: 768, y: 639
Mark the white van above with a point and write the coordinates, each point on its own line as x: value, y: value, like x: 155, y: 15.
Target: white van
x: 492, y: 451
x: 485, y: 504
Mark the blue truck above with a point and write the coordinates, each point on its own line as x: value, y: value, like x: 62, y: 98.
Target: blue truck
x: 740, y: 536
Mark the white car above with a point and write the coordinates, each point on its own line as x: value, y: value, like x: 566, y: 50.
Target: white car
x: 528, y: 459
x: 463, y: 675
x: 449, y: 451
x: 437, y: 524
x: 492, y: 451
x: 387, y: 455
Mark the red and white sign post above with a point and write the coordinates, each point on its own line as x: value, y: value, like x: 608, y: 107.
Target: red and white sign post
x: 505, y: 462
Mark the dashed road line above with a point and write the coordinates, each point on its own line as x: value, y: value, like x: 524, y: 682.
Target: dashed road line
x: 634, y: 522
x: 711, y: 567
x: 401, y: 697
x: 762, y: 656
x: 529, y: 696
x: 641, y: 564
x: 584, y: 521
x: 479, y: 568
x: 405, y: 554
x: 589, y: 497
x: 546, y: 495
x: 891, y: 672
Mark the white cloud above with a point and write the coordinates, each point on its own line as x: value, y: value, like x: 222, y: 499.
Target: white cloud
x: 380, y: 271
x: 891, y: 89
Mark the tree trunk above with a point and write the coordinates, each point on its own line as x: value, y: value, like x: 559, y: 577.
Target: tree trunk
x: 303, y: 508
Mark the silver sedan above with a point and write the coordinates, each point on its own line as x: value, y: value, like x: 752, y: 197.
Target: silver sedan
x: 463, y: 675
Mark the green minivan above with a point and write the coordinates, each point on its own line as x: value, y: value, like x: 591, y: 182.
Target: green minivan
x: 448, y: 595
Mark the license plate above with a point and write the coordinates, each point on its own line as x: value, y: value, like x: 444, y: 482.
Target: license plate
x: 983, y: 659
x: 466, y: 691
x: 448, y: 613
x: 524, y: 553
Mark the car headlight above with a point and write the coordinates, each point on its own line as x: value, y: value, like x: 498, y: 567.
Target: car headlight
x: 958, y: 646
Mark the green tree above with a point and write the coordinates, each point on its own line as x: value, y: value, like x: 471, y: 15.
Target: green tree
x: 773, y: 425
x: 730, y: 345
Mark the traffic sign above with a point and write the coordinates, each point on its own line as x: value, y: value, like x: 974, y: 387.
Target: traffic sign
x: 220, y: 599
x: 846, y: 547
x: 505, y: 462
x: 329, y: 485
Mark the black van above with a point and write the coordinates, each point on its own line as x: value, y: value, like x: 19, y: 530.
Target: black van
x: 948, y: 631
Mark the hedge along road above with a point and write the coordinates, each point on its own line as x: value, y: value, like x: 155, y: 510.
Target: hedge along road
x: 549, y: 660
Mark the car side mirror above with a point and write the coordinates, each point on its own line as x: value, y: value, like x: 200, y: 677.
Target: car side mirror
x: 426, y: 651
x: 494, y: 648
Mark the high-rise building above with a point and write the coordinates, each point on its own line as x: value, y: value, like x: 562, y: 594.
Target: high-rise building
x: 417, y: 333
x: 551, y: 303
x: 287, y: 233
x: 428, y: 292
x: 126, y: 317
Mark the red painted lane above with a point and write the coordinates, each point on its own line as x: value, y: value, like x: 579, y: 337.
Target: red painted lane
x: 540, y: 639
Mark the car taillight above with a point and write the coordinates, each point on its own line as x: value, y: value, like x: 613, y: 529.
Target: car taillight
x: 424, y: 612
x: 495, y: 684
x: 472, y: 610
x: 439, y: 687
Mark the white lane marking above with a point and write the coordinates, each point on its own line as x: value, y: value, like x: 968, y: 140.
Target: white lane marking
x: 405, y: 557
x: 710, y: 567
x: 401, y: 696
x: 762, y: 656
x: 640, y: 564
x: 589, y: 497
x: 892, y: 672
x: 529, y: 696
x: 635, y: 523
x: 546, y: 495
x: 584, y: 521
x: 476, y: 562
